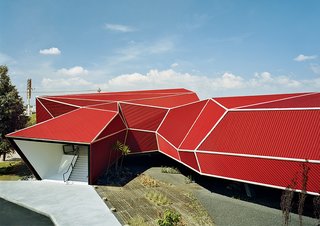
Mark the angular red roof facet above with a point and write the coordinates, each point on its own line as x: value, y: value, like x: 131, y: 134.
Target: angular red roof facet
x: 169, y: 101
x: 42, y: 113
x: 309, y: 100
x: 143, y: 117
x: 243, y: 101
x: 209, y: 117
x: 56, y: 108
x: 179, y: 121
x: 79, y: 126
x: 263, y: 139
x: 267, y: 133
x: 140, y: 141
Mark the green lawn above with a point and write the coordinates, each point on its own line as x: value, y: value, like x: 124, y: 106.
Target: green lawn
x: 10, y: 177
x: 13, y: 170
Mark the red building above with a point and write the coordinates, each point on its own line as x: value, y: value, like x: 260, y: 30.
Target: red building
x: 264, y: 140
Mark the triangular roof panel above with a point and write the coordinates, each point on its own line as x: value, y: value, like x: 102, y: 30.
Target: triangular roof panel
x: 79, y: 126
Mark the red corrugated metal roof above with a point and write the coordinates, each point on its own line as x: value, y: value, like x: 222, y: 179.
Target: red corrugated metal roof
x: 189, y: 159
x: 209, y: 116
x: 78, y: 102
x: 178, y: 122
x: 140, y: 141
x: 56, y: 108
x: 167, y: 148
x: 79, y: 126
x: 42, y: 113
x: 130, y: 95
x: 311, y: 100
x: 258, y: 136
x: 168, y: 101
x: 114, y: 126
x: 256, y: 170
x: 241, y: 101
x: 290, y: 134
x: 142, y: 117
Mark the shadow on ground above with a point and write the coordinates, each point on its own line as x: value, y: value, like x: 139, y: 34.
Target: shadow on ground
x: 134, y: 165
x: 13, y: 214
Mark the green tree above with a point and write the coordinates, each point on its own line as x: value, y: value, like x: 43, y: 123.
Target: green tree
x: 12, y: 115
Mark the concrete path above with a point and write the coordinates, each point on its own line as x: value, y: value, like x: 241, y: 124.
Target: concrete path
x: 65, y: 204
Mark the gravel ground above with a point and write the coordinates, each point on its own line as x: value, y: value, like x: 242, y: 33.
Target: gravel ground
x: 228, y: 211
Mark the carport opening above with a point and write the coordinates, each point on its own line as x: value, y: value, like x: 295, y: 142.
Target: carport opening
x: 52, y: 161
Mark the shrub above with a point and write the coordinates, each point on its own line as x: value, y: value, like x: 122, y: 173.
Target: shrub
x: 172, y: 170
x: 170, y: 218
x: 148, y: 181
x: 158, y: 198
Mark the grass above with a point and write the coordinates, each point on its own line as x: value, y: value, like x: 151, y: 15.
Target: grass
x: 148, y: 181
x: 171, y: 170
x: 189, y: 179
x: 137, y: 221
x: 8, y: 166
x: 10, y: 177
x: 13, y: 170
x: 158, y: 198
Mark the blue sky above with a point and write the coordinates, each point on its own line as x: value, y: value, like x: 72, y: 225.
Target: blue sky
x: 216, y: 48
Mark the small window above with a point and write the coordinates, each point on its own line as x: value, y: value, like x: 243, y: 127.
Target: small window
x: 70, y: 149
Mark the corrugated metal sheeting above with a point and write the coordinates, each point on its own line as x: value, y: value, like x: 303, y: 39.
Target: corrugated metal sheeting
x: 257, y: 139
x: 290, y: 134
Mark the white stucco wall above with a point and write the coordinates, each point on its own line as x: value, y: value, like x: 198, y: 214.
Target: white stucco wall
x: 47, y: 159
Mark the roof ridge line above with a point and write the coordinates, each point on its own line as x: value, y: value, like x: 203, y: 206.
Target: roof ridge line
x: 195, y: 121
x: 276, y: 100
x: 68, y: 98
x: 143, y: 105
x: 105, y: 126
x: 59, y: 102
x: 164, y: 96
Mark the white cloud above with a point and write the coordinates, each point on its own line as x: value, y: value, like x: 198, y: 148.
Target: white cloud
x: 229, y: 81
x: 223, y: 84
x: 119, y: 28
x: 266, y: 79
x: 174, y: 65
x: 63, y: 83
x: 302, y: 57
x: 77, y: 70
x: 156, y: 79
x: 50, y: 51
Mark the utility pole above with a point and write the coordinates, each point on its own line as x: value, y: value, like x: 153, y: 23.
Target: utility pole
x: 29, y: 89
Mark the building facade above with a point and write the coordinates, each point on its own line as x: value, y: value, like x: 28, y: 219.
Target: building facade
x: 266, y: 140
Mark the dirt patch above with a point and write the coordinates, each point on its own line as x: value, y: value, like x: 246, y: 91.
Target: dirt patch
x: 147, y: 196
